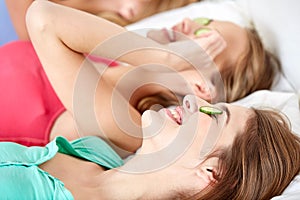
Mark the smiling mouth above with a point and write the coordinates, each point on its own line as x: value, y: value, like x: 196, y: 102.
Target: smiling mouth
x: 175, y: 114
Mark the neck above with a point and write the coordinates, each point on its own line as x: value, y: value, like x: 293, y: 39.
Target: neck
x: 118, y: 185
x: 135, y: 185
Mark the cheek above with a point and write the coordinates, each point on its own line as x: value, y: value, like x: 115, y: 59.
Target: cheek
x: 210, y: 139
x: 152, y: 123
x: 199, y: 131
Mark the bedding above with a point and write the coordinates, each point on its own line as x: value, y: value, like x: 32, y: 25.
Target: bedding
x: 277, y: 24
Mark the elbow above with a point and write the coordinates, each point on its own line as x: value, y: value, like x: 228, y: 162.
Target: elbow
x: 37, y: 18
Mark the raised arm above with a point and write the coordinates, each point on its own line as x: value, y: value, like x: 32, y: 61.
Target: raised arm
x: 60, y: 35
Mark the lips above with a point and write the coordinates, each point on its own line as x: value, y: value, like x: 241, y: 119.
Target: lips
x: 169, y: 35
x: 175, y: 114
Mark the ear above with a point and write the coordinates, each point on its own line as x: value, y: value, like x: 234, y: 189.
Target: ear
x: 204, y: 91
x: 207, y: 169
x: 206, y: 173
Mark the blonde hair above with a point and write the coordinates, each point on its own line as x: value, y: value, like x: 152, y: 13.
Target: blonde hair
x: 261, y: 162
x: 255, y: 70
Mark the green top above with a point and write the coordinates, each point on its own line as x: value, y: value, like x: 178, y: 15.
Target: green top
x: 21, y: 178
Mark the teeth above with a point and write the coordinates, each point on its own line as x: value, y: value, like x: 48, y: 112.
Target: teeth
x: 175, y: 114
x: 172, y: 36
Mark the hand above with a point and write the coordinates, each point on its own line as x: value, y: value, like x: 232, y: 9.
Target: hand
x: 212, y: 42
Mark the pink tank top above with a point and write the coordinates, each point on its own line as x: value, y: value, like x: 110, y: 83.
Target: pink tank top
x: 28, y: 104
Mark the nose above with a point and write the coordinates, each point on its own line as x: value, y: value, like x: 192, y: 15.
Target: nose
x: 191, y: 103
x: 127, y: 12
x: 186, y: 26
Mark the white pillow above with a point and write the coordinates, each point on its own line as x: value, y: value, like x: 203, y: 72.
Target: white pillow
x: 277, y: 22
x: 292, y: 192
x: 283, y: 101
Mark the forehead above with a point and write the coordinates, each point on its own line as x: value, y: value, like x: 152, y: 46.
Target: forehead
x: 230, y: 31
x: 239, y: 117
x: 227, y: 26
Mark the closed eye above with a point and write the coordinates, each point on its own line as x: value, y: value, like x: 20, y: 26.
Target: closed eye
x: 214, y: 116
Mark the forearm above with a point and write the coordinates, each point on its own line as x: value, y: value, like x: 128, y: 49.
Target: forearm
x: 77, y: 83
x: 80, y: 31
x: 86, y: 33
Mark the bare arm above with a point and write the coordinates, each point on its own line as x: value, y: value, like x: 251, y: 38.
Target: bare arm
x: 60, y: 51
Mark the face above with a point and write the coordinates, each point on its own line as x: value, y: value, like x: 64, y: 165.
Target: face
x: 180, y: 138
x: 127, y: 9
x: 211, y: 36
x: 234, y: 35
x: 201, y: 131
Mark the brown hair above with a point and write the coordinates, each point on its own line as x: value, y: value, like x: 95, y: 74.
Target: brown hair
x: 255, y: 70
x: 161, y: 99
x: 260, y: 163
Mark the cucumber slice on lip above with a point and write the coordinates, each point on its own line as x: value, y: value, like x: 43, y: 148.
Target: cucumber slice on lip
x: 210, y: 110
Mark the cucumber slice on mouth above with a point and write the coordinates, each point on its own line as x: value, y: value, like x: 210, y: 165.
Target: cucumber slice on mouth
x: 210, y: 110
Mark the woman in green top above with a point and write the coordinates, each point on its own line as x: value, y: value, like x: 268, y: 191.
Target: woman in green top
x: 22, y: 174
x: 197, y: 151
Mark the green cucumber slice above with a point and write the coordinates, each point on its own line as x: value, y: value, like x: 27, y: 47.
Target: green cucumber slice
x: 210, y: 110
x: 201, y: 31
x: 202, y: 21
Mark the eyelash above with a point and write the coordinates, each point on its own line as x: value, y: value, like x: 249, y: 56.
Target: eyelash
x: 214, y: 116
